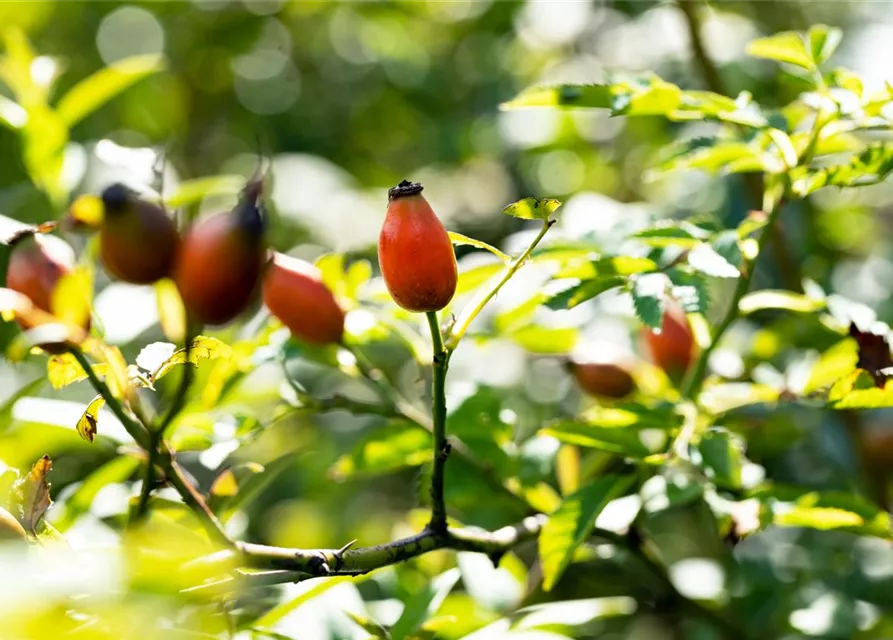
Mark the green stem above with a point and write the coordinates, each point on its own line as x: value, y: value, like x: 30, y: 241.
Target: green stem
x: 136, y: 430
x: 175, y: 475
x: 438, y: 409
x: 471, y: 312
x: 156, y: 436
x: 695, y: 378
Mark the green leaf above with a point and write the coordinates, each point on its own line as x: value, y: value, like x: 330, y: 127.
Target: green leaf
x: 654, y: 97
x: 389, y: 448
x: 171, y: 312
x: 792, y: 507
x: 712, y: 155
x: 114, y: 471
x: 471, y: 279
x: 628, y: 429
x: 459, y: 239
x: 705, y: 259
x: 649, y: 298
x: 823, y: 42
x: 613, y: 266
x: 837, y: 362
x: 532, y: 208
x: 546, y: 340
x: 725, y: 397
x: 271, y: 618
x: 95, y: 90
x: 88, y: 424
x: 424, y: 604
x: 869, y: 167
x: 571, y: 524
x: 672, y: 234
x: 201, y: 348
x: 580, y: 292
x: 722, y: 457
x: 369, y: 625
x: 690, y: 290
x: 788, y: 46
x: 584, y: 96
x: 777, y: 299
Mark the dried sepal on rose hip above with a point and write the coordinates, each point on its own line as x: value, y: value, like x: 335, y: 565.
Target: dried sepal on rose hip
x: 294, y: 292
x: 221, y: 260
x: 137, y: 239
x: 415, y: 253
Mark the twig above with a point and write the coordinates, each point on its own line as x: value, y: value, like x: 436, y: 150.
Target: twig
x: 438, y: 410
x: 156, y: 435
x: 695, y: 378
x: 471, y: 312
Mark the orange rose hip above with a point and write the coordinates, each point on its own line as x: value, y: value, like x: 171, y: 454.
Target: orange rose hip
x: 294, y: 292
x: 415, y: 252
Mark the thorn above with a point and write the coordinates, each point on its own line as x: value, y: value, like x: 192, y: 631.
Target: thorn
x: 346, y: 547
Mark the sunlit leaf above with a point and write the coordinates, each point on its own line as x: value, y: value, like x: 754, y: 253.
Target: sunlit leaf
x: 63, y: 370
x: 33, y: 494
x: 114, y: 471
x: 551, y: 340
x: 72, y: 297
x: 680, y: 234
x: 171, y: 312
x: 424, y: 604
x: 837, y: 362
x: 777, y: 299
x: 87, y: 210
x: 88, y: 423
x: 572, y: 523
x: 95, y: 90
x: 649, y: 298
x: 788, y: 46
x: 201, y: 348
x: 459, y: 239
x: 612, y: 266
x: 705, y: 259
x: 582, y: 291
x: 724, y: 397
x: 391, y: 447
x: 823, y: 42
x: 587, y: 96
x: 532, y: 208
x: 229, y: 481
x: 153, y: 355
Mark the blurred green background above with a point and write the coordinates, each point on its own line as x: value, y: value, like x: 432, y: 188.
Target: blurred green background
x: 345, y: 99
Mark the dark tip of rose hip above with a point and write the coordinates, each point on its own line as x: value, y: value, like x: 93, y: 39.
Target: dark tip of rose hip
x: 405, y: 188
x: 116, y: 197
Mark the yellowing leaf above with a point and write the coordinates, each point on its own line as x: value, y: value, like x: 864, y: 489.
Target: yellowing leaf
x: 63, y: 370
x: 171, y: 312
x: 32, y: 493
x: 202, y: 348
x: 88, y: 423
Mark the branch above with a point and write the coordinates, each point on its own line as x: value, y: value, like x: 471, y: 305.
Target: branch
x: 352, y: 562
x: 471, y: 312
x: 438, y: 410
x: 175, y: 474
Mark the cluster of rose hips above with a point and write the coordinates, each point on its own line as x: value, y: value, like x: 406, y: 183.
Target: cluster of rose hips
x: 219, y: 263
